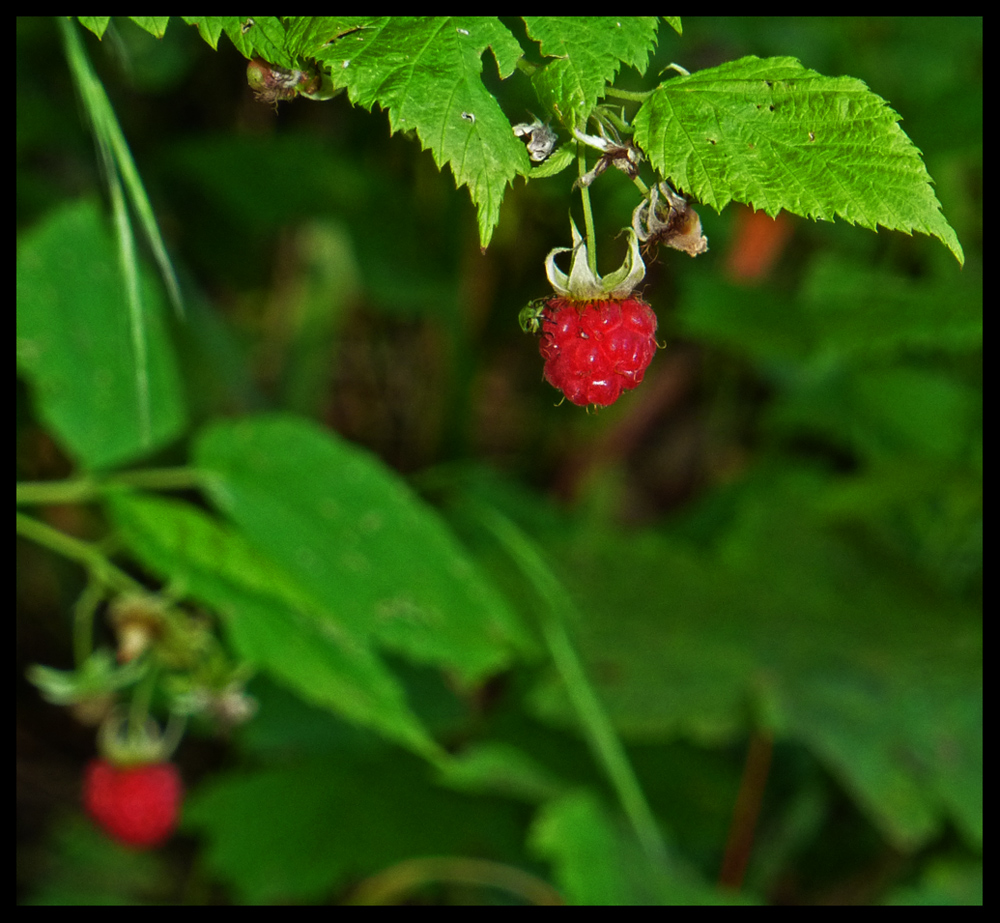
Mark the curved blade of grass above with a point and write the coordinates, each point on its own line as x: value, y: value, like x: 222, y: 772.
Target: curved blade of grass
x: 118, y: 167
x: 597, y: 727
x: 109, y: 133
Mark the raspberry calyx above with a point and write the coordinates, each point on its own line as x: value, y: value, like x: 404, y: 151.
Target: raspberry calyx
x: 597, y: 336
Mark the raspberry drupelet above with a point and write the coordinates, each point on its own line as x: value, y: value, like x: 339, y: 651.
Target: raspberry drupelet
x: 594, y: 351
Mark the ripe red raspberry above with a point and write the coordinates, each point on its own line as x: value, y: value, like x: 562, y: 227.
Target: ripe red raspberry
x: 136, y: 805
x: 595, y: 350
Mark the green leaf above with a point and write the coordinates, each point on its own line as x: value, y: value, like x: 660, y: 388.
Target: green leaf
x: 74, y: 343
x: 773, y: 134
x: 154, y: 25
x: 304, y: 830
x: 589, y: 50
x: 306, y: 35
x: 209, y: 28
x: 261, y: 36
x: 871, y: 312
x: 425, y: 72
x: 846, y: 311
x: 595, y: 863
x: 96, y: 24
x: 675, y: 23
x: 878, y: 675
x: 575, y: 833
x: 272, y: 622
x: 501, y: 769
x: 884, y: 414
x: 364, y: 545
x: 561, y: 158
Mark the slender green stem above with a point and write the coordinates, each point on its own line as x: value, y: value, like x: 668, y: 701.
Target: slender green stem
x: 159, y: 479
x: 142, y: 700
x: 605, y: 114
x: 83, y: 620
x: 79, y: 490
x: 90, y: 556
x: 394, y: 885
x: 84, y: 489
x: 588, y: 215
x: 634, y: 96
x: 604, y: 742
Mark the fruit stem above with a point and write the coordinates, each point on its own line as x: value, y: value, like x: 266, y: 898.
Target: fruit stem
x: 142, y: 699
x: 604, y: 742
x: 588, y: 216
x: 83, y: 620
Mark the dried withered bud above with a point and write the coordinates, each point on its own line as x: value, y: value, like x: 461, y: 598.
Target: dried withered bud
x: 669, y: 221
x: 538, y: 137
x: 614, y: 152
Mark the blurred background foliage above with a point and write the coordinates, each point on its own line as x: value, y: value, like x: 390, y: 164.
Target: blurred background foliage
x: 777, y: 537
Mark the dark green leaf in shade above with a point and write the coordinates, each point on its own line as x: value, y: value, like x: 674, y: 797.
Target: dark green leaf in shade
x: 379, y: 560
x: 74, y: 343
x: 271, y: 620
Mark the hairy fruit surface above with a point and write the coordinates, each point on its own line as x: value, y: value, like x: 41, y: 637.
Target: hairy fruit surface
x: 135, y: 805
x: 594, y: 350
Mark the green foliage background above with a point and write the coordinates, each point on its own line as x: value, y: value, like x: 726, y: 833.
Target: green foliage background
x: 789, y: 547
